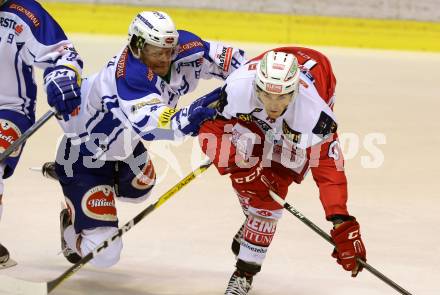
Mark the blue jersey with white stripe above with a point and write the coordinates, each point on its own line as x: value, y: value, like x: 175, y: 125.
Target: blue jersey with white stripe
x: 126, y: 101
x: 29, y: 37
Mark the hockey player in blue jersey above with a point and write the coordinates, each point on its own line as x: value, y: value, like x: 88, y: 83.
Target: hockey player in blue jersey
x: 30, y: 37
x: 132, y: 98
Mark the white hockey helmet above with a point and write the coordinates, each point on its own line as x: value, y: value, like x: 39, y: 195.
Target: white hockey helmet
x: 155, y: 28
x: 278, y: 73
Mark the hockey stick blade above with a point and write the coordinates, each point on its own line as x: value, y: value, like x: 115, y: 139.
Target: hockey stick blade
x: 16, y: 286
x: 324, y: 235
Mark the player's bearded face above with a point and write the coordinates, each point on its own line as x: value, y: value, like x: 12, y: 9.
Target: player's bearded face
x: 157, y: 59
x: 274, y: 104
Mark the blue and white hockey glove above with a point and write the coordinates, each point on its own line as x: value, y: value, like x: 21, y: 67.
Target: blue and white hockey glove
x: 190, y: 118
x: 63, y: 90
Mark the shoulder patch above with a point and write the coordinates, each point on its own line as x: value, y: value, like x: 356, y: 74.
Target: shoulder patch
x: 325, y: 125
x: 291, y: 134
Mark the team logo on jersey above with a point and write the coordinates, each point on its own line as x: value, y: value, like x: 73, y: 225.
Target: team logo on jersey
x: 122, y: 64
x: 325, y: 126
x: 291, y: 134
x: 35, y: 21
x: 18, y: 29
x: 99, y: 203
x: 9, y: 133
x: 165, y: 118
x: 146, y: 178
x: 189, y: 46
x: 225, y: 58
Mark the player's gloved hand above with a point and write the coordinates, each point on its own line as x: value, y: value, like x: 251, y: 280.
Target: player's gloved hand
x: 349, y: 245
x: 255, y: 182
x: 63, y: 90
x: 190, y: 118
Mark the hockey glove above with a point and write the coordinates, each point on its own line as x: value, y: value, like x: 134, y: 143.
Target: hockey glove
x: 190, y: 118
x: 349, y: 246
x: 63, y: 90
x: 255, y: 182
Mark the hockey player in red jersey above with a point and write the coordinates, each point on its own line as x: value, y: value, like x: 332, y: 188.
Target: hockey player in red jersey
x: 276, y: 123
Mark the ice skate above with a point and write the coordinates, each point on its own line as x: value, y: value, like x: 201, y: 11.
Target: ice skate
x: 5, y: 259
x: 70, y: 254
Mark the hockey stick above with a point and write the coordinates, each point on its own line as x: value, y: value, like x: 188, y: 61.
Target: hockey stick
x: 22, y: 287
x: 37, y: 125
x: 326, y: 237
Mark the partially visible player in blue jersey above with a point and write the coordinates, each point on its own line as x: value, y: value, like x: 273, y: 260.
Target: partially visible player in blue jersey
x: 132, y: 98
x: 30, y: 37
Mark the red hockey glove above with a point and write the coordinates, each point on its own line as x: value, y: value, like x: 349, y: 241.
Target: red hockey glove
x: 255, y: 182
x: 349, y: 246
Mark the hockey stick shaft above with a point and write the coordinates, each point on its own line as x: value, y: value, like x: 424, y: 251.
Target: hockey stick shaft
x: 326, y: 237
x: 51, y: 285
x: 16, y: 144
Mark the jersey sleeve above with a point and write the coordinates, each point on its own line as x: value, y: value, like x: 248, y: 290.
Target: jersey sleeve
x: 327, y: 166
x: 221, y: 60
x: 45, y: 43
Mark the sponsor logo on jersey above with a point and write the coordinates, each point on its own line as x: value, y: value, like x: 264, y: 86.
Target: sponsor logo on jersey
x: 8, y: 23
x: 146, y: 178
x: 35, y: 21
x: 122, y: 64
x: 291, y: 134
x: 194, y: 64
x: 99, y: 203
x: 165, y: 118
x: 9, y: 133
x: 225, y: 58
x: 273, y: 88
x: 189, y: 46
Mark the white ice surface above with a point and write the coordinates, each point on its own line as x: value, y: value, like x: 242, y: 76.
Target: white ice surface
x: 184, y: 247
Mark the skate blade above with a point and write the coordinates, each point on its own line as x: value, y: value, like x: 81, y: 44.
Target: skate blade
x: 7, y: 264
x: 36, y: 169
